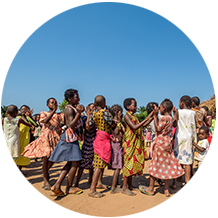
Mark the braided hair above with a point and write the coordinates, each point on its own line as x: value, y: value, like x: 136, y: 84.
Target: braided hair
x: 115, y: 109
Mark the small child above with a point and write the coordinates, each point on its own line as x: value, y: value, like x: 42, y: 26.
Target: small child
x: 117, y: 160
x: 148, y: 137
x: 163, y: 165
x: 87, y: 147
x: 102, y: 148
x: 67, y: 148
x: 46, y: 142
x: 201, y: 148
x: 185, y: 134
x: 133, y: 145
x: 37, y: 130
x: 11, y: 125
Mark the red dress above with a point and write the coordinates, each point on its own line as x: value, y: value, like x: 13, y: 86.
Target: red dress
x: 164, y: 165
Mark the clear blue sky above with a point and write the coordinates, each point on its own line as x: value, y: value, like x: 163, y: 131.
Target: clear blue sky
x: 113, y: 49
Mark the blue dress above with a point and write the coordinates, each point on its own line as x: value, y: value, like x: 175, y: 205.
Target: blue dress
x: 66, y: 151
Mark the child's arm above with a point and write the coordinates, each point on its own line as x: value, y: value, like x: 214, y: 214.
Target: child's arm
x: 176, y: 116
x: 89, y: 115
x: 21, y: 120
x: 198, y: 147
x: 148, y: 122
x: 136, y: 126
x: 47, y: 119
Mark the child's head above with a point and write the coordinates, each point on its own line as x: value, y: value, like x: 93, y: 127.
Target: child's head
x: 72, y: 96
x: 100, y: 101
x: 166, y: 106
x: 51, y: 103
x: 116, y: 110
x: 89, y: 107
x: 203, y: 132
x: 24, y: 109
x: 130, y: 104
x: 195, y: 101
x: 150, y: 107
x: 37, y: 117
x: 12, y: 110
x: 185, y: 102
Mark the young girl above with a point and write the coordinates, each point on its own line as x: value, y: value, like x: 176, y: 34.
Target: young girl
x: 185, y: 134
x: 37, y: 130
x: 117, y: 160
x: 133, y: 145
x: 46, y: 142
x: 148, y: 137
x: 163, y: 165
x: 67, y: 148
x: 24, y: 138
x: 11, y: 125
x: 87, y: 148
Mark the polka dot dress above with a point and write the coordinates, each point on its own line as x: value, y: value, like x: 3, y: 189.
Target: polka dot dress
x: 164, y: 165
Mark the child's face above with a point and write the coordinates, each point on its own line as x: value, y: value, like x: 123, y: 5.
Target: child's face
x: 52, y: 104
x: 181, y: 105
x: 74, y: 100
x: 162, y: 109
x: 133, y: 106
x: 23, y: 110
x: 202, y: 134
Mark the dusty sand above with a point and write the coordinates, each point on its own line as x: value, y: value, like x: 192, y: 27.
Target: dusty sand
x: 110, y: 205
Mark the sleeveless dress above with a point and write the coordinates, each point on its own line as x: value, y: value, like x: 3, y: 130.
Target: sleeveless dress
x: 11, y: 134
x: 67, y: 149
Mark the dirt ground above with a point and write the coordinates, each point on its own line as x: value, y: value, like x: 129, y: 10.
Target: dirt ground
x: 110, y: 205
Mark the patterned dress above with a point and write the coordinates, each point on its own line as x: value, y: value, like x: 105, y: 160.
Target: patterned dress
x: 87, y: 147
x: 200, y: 114
x: 102, y: 120
x: 133, y: 149
x: 44, y: 145
x: 164, y: 165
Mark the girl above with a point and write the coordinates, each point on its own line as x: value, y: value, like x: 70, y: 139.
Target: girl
x: 148, y: 137
x: 37, y: 130
x: 116, y: 146
x: 67, y: 148
x: 11, y: 125
x: 24, y: 137
x: 87, y: 148
x: 46, y: 142
x: 163, y: 165
x: 133, y: 145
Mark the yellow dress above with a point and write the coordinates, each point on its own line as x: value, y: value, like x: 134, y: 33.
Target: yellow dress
x: 24, y: 140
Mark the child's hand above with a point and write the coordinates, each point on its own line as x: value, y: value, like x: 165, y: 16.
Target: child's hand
x: 175, y: 111
x: 80, y: 108
x: 29, y: 112
x: 156, y: 110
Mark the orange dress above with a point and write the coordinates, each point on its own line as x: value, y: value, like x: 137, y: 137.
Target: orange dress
x: 50, y: 136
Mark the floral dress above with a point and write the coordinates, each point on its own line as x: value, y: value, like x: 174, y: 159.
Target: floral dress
x: 164, y: 165
x: 133, y: 149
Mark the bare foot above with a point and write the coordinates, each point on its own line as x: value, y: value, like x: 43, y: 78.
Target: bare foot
x: 128, y: 192
x: 116, y: 190
x: 101, y: 186
x: 56, y: 190
x: 167, y: 193
x: 95, y: 194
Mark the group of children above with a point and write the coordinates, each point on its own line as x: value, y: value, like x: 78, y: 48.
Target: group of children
x: 109, y: 139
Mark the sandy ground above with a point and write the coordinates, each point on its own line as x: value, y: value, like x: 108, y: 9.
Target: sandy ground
x: 110, y: 205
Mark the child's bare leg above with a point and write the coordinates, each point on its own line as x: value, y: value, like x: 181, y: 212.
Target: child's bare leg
x: 90, y: 176
x: 64, y: 172
x: 187, y: 173
x: 174, y: 185
x: 166, y: 188
x: 71, y: 176
x: 125, y: 190
x: 100, y: 185
x: 45, y: 168
x: 79, y: 175
x: 92, y: 192
x: 114, y: 188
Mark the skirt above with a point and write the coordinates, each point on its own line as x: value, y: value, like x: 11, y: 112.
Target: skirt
x: 117, y: 159
x: 98, y: 162
x: 66, y: 151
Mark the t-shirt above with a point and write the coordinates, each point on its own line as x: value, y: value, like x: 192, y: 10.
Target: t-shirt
x: 200, y: 155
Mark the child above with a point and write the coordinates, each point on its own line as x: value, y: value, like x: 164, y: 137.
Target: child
x: 201, y: 148
x: 11, y: 125
x: 163, y: 165
x: 87, y: 148
x: 37, y: 130
x: 50, y: 135
x: 185, y: 134
x: 117, y: 160
x: 67, y: 148
x: 24, y: 137
x: 133, y: 145
x: 102, y: 149
x: 148, y: 137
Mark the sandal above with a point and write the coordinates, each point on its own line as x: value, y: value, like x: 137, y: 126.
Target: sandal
x: 47, y: 187
x: 76, y: 191
x: 58, y: 193
x: 142, y: 189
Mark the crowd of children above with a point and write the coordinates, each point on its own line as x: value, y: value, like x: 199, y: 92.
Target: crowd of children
x: 175, y: 137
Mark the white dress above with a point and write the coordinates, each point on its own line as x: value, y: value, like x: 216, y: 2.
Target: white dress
x: 11, y: 133
x: 185, y: 135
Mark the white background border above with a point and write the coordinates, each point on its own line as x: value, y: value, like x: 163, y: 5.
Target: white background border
x: 197, y: 19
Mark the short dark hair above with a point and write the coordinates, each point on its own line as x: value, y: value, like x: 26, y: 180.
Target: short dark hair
x: 25, y: 106
x: 196, y: 100
x: 11, y: 109
x: 205, y: 108
x: 187, y: 100
x: 115, y: 109
x: 205, y: 128
x: 150, y: 107
x: 167, y: 104
x: 69, y: 93
x: 49, y: 100
x: 100, y: 100
x: 127, y: 102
